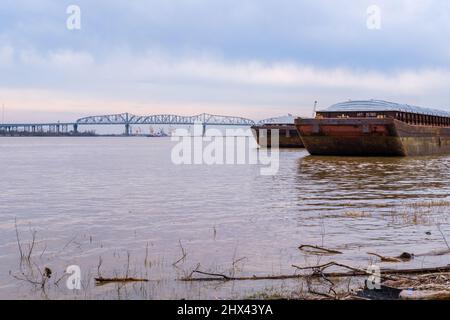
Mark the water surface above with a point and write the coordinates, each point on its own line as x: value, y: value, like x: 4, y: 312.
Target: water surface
x: 94, y: 202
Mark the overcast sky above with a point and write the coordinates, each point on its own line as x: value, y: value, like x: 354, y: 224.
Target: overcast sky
x: 253, y: 58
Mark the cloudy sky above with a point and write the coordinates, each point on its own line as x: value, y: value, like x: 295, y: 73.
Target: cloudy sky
x: 253, y: 58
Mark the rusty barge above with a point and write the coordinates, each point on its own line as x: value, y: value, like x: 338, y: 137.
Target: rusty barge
x: 376, y: 128
x: 288, y: 135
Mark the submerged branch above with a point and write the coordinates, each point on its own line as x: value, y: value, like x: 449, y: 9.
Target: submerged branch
x: 101, y: 280
x: 318, y: 250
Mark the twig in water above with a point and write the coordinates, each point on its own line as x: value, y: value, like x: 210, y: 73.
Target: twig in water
x: 60, y: 278
x: 146, y: 255
x: 214, y: 275
x: 235, y: 262
x: 18, y: 240
x: 128, y: 264
x: 68, y: 243
x: 193, y: 271
x: 312, y: 291
x: 25, y: 256
x: 318, y: 250
x: 31, y: 246
x: 321, y: 294
x: 43, y: 251
x: 184, y: 254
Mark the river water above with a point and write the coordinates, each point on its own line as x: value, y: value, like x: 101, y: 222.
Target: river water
x: 119, y: 206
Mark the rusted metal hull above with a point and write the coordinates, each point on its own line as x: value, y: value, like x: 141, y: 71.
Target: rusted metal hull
x: 288, y: 135
x: 372, y: 137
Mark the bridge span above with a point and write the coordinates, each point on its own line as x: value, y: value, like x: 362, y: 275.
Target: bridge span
x: 126, y: 119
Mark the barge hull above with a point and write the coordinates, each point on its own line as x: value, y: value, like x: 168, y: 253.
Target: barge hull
x: 372, y: 137
x: 288, y: 135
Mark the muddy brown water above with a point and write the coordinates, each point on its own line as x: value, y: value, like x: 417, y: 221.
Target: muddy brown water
x: 104, y: 199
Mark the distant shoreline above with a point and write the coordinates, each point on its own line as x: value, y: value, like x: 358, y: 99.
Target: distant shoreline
x: 87, y: 135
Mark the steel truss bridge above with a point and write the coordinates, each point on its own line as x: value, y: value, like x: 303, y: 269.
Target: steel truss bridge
x: 127, y: 120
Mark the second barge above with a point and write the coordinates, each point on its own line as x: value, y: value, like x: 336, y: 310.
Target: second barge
x: 288, y: 135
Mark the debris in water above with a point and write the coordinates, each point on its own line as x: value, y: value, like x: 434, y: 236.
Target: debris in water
x: 404, y: 257
x: 318, y: 250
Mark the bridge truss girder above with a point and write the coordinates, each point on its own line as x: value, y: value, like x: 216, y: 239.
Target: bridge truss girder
x: 130, y: 119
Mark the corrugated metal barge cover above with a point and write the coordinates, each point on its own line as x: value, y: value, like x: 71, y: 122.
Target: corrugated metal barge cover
x: 380, y: 106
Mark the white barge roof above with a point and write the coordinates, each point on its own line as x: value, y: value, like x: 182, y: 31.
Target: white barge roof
x: 380, y: 106
x: 289, y: 119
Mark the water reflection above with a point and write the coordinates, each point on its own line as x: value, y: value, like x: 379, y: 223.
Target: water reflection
x: 336, y: 183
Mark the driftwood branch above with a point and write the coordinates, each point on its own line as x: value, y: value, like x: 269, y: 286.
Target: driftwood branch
x: 318, y: 250
x: 101, y: 280
x: 401, y: 258
x: 222, y: 277
x: 362, y: 272
x: 218, y: 275
x: 425, y: 295
x: 434, y: 253
x: 355, y: 272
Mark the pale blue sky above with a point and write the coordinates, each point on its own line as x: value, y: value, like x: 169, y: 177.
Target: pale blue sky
x: 255, y: 58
